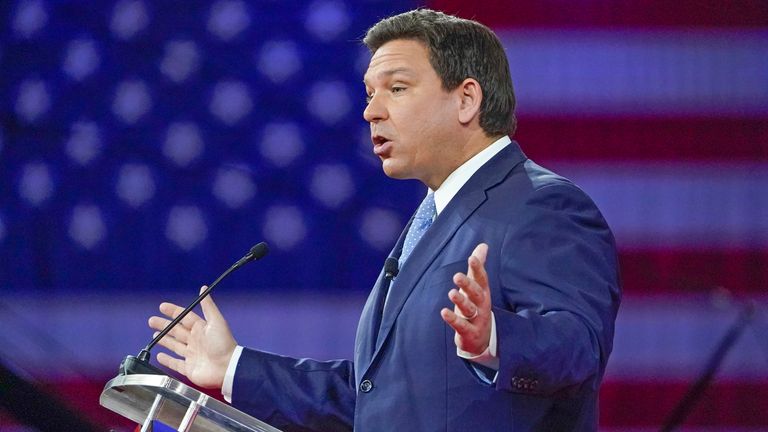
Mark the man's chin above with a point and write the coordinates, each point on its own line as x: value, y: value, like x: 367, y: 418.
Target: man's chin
x: 391, y: 170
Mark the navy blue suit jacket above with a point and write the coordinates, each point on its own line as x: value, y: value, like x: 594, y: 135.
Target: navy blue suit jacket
x: 553, y: 275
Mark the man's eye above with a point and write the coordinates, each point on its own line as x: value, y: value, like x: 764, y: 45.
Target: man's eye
x: 397, y: 89
x: 368, y: 98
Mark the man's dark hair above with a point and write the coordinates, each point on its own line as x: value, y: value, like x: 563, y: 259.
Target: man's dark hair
x: 458, y: 49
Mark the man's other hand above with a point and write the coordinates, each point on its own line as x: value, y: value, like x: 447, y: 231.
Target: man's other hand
x: 204, y: 345
x: 471, y: 314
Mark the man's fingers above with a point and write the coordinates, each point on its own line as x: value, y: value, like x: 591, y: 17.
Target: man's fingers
x: 473, y: 301
x: 460, y: 325
x: 179, y: 332
x: 464, y: 306
x: 172, y: 310
x: 477, y: 271
x: 172, y: 363
x: 481, y: 252
x: 173, y: 344
x: 470, y: 288
x: 210, y: 310
x: 476, y: 265
x: 467, y: 336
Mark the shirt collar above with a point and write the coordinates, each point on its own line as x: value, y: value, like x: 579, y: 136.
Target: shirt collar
x: 453, y: 183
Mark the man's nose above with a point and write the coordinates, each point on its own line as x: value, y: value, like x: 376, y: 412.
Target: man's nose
x: 375, y: 110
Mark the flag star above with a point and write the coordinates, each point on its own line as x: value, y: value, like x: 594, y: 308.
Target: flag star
x: 327, y: 19
x: 282, y: 143
x: 33, y: 100
x: 329, y: 101
x: 231, y: 101
x: 87, y: 226
x: 81, y: 59
x: 186, y: 227
x: 284, y: 226
x: 331, y: 184
x: 228, y: 18
x: 36, y: 184
x: 128, y: 19
x: 30, y: 18
x: 135, y: 185
x: 233, y: 186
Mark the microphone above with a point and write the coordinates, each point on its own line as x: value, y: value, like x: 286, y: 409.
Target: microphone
x: 140, y: 364
x: 390, y: 268
x: 390, y: 271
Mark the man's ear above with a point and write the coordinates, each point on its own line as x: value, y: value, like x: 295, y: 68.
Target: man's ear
x: 470, y: 97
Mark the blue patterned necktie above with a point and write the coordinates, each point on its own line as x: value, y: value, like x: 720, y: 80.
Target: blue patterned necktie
x: 421, y: 222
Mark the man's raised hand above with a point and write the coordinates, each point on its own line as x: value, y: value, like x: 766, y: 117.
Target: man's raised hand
x: 471, y: 314
x: 204, y: 345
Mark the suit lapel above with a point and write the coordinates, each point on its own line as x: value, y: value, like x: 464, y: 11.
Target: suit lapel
x: 466, y: 201
x: 370, y: 319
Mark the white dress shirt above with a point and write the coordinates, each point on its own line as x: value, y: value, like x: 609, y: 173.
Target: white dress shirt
x: 443, y: 195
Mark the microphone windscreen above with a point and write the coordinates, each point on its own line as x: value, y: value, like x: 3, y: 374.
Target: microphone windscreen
x: 259, y: 251
x: 390, y: 267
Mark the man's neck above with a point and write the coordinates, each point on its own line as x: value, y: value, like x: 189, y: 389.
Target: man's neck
x: 456, y: 180
x: 470, y: 149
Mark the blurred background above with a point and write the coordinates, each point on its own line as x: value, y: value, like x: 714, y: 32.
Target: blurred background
x: 145, y: 146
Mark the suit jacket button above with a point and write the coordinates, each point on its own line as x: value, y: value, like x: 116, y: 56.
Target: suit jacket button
x: 366, y: 386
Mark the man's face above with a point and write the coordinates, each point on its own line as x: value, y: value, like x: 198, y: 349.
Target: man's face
x: 413, y: 120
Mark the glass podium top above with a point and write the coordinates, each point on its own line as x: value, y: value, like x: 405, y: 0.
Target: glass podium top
x: 168, y: 400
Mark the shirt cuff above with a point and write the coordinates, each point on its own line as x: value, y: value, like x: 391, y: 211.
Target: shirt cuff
x: 487, y: 358
x: 229, y: 376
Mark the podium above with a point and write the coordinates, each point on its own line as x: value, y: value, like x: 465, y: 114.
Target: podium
x: 146, y: 398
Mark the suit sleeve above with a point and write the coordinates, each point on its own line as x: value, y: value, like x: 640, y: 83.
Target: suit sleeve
x: 560, y: 288
x: 295, y: 394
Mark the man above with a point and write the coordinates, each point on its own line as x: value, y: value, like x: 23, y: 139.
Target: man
x: 518, y: 342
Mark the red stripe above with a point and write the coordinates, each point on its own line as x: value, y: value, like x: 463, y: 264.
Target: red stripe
x: 689, y: 271
x: 641, y: 139
x: 609, y: 13
x: 83, y: 396
x: 648, y: 404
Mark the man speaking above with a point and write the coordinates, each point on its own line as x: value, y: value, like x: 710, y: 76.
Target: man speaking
x: 497, y: 309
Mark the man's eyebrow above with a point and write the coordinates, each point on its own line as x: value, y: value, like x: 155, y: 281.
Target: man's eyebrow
x: 390, y: 72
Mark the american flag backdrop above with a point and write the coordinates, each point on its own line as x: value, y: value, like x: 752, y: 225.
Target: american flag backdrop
x: 145, y: 146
